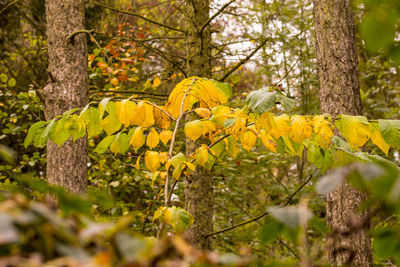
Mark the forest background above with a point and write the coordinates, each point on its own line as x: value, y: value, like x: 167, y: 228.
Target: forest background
x: 139, y: 49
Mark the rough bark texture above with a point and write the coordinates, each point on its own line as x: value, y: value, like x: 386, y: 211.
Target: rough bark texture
x: 199, y: 186
x: 340, y: 94
x: 67, y: 89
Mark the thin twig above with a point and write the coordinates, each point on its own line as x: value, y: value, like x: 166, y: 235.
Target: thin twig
x: 7, y: 6
x: 70, y: 38
x: 215, y: 15
x: 287, y: 73
x: 243, y: 61
x: 136, y: 15
x: 287, y: 202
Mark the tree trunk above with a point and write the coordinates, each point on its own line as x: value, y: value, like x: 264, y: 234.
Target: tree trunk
x: 67, y: 89
x: 199, y: 186
x: 340, y: 94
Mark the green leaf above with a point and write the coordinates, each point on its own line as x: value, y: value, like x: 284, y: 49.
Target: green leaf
x: 390, y: 131
x: 178, y: 159
x: 104, y: 144
x: 218, y: 148
x: 263, y: 100
x: 3, y: 77
x: 111, y: 124
x: 178, y: 218
x: 61, y: 133
x: 225, y: 88
x: 92, y: 119
x: 52, y: 124
x: 271, y: 230
x: 286, y: 102
x: 120, y: 144
x: 103, y: 105
x: 32, y: 132
x: 12, y: 82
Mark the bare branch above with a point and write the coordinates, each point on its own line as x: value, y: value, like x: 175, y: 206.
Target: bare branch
x: 256, y: 218
x: 215, y: 15
x: 7, y: 6
x: 136, y: 15
x: 243, y: 61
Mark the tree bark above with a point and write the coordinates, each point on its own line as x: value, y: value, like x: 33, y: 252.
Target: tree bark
x: 199, y: 186
x: 340, y: 94
x: 67, y: 89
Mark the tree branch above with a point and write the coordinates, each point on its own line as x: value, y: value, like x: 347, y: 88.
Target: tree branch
x: 243, y: 61
x: 7, y: 6
x: 136, y: 15
x: 215, y: 15
x: 70, y: 38
x: 287, y: 202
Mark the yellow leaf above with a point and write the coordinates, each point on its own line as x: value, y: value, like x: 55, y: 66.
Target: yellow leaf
x: 164, y: 157
x: 281, y: 127
x: 202, y: 155
x: 203, y: 112
x: 323, y: 129
x: 149, y: 117
x: 137, y: 165
x: 209, y: 128
x: 138, y: 139
x: 156, y: 82
x: 238, y: 128
x: 355, y: 129
x: 377, y: 139
x: 301, y: 129
x: 165, y: 136
x: 140, y: 115
x: 161, y: 119
x: 152, y: 139
x: 267, y: 121
x: 175, y: 98
x: 126, y: 111
x: 268, y: 141
x: 194, y: 129
x: 220, y: 114
x: 152, y: 160
x: 191, y: 166
x: 248, y: 140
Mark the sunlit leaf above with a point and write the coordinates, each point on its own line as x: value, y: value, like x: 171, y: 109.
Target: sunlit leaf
x: 194, y: 129
x: 161, y: 119
x: 282, y: 127
x: 390, y: 130
x: 92, y: 119
x: 165, y: 136
x: 138, y: 139
x: 32, y: 132
x: 152, y: 139
x: 377, y: 139
x: 355, y: 129
x: 248, y: 140
x: 301, y: 129
x: 152, y: 160
x: 323, y: 129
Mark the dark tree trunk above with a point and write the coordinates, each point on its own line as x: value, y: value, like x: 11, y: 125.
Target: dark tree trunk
x: 199, y: 186
x: 340, y: 94
x: 67, y: 89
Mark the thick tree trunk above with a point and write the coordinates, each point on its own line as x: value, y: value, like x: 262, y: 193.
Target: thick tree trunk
x: 67, y: 89
x: 199, y: 186
x: 340, y: 94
